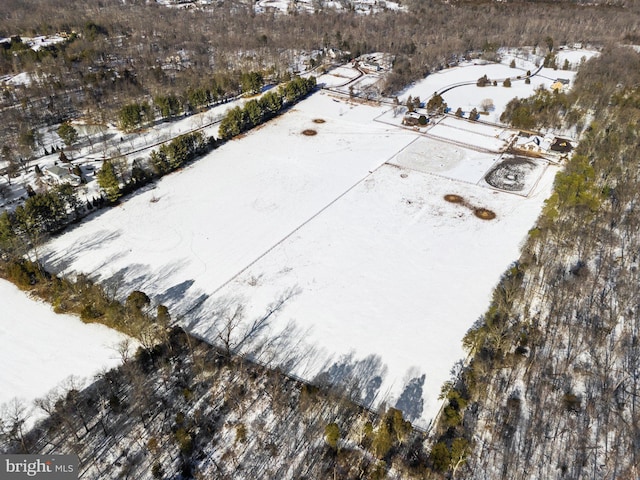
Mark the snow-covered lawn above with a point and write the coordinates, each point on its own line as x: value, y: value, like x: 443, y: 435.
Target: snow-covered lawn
x: 575, y: 56
x: 394, y: 270
x: 379, y: 263
x: 471, y: 96
x: 338, y: 77
x: 39, y: 349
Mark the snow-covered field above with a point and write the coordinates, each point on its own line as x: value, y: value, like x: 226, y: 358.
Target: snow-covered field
x: 40, y: 349
x: 377, y: 263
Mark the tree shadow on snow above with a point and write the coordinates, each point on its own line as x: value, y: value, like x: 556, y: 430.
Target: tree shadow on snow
x: 410, y: 401
x: 59, y: 261
x: 359, y: 379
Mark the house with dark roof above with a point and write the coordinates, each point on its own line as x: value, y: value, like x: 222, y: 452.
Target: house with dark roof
x: 561, y: 145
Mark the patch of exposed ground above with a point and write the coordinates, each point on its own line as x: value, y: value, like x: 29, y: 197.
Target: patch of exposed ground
x: 480, y: 212
x: 510, y: 174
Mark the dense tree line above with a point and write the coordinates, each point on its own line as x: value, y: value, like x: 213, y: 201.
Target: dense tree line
x: 544, y: 109
x: 133, y: 115
x: 179, y: 151
x: 176, y: 405
x: 116, y: 178
x: 41, y: 215
x: 255, y: 112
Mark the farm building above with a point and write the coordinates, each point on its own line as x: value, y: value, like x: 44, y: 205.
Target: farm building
x: 561, y: 145
x: 414, y: 119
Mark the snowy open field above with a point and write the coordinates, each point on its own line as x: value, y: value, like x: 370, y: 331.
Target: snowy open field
x: 40, y: 348
x: 471, y: 96
x: 380, y: 265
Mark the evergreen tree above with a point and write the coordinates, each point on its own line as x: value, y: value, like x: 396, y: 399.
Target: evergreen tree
x: 136, y: 301
x: 251, y: 82
x: 108, y: 181
x: 409, y: 104
x: 382, y: 441
x: 159, y: 162
x: 332, y: 435
x: 168, y: 106
x: 400, y: 427
x: 232, y: 124
x: 197, y: 98
x: 162, y: 315
x: 483, y: 81
x: 270, y: 103
x: 138, y: 173
x: 254, y: 112
x: 131, y: 116
x: 10, y: 242
x: 436, y: 105
x: 26, y: 140
x: 440, y: 456
x: 68, y: 134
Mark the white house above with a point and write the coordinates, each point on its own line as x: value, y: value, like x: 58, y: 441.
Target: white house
x: 60, y: 175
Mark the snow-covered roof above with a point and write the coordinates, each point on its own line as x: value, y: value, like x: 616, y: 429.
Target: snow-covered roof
x: 62, y: 174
